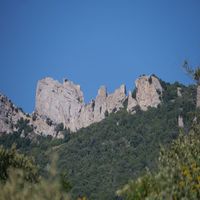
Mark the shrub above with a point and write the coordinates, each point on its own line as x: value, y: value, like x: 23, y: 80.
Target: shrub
x: 178, y: 173
x: 21, y: 181
x: 10, y: 158
x: 59, y: 127
x: 16, y: 188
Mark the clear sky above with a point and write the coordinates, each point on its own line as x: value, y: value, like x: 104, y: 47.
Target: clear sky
x: 94, y: 42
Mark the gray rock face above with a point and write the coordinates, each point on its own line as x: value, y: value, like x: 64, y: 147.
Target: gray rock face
x: 132, y: 103
x: 9, y: 115
x: 148, y: 94
x: 114, y: 102
x: 100, y: 104
x: 149, y: 91
x: 180, y: 121
x: 64, y: 103
x: 198, y: 97
x: 179, y: 92
x: 44, y: 126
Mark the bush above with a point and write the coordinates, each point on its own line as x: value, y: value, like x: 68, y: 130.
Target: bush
x: 16, y: 188
x: 20, y: 180
x: 178, y: 175
x: 59, y: 127
x: 9, y: 158
x: 24, y: 127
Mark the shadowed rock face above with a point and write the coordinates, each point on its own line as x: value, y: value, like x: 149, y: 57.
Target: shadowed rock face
x: 64, y: 103
x: 132, y: 103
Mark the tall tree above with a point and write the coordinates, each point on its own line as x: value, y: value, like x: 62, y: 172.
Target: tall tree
x: 195, y: 75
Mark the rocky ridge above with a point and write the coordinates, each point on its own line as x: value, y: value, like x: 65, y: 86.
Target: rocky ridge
x: 64, y: 102
x: 58, y: 103
x: 10, y: 115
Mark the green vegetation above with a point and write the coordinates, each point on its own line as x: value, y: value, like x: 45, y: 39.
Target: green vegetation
x: 24, y: 127
x: 100, y: 159
x: 59, y: 127
x: 193, y: 72
x: 103, y: 157
x: 20, y: 180
x: 17, y: 189
x: 178, y: 175
x: 12, y: 159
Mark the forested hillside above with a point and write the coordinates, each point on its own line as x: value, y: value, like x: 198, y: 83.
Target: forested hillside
x: 100, y: 159
x: 178, y: 174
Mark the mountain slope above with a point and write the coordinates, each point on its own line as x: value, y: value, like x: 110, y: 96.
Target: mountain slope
x: 178, y: 174
x: 103, y: 157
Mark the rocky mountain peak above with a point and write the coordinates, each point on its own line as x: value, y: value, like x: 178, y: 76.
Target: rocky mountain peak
x: 64, y: 103
x: 132, y: 103
x: 9, y: 114
x: 102, y: 91
x: 149, y: 91
x: 58, y: 103
x: 115, y: 100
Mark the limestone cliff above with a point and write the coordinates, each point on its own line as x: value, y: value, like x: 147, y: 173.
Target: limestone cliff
x: 9, y: 114
x: 64, y: 103
x: 149, y: 92
x: 132, y: 103
x: 198, y: 97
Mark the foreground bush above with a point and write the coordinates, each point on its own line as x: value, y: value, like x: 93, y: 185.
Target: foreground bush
x: 178, y: 175
x: 10, y: 158
x: 16, y: 188
x: 19, y: 179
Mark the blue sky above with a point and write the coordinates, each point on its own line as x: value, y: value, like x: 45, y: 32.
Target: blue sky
x: 94, y: 42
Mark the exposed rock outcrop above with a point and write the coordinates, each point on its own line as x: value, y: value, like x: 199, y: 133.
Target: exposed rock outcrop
x: 100, y: 104
x: 114, y: 102
x: 44, y: 126
x: 64, y: 103
x: 149, y: 92
x: 179, y: 91
x: 132, y: 103
x: 198, y: 97
x: 58, y: 103
x: 180, y: 121
x: 9, y: 115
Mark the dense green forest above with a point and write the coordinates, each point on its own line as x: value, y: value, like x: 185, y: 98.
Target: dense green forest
x: 178, y: 174
x: 102, y: 158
